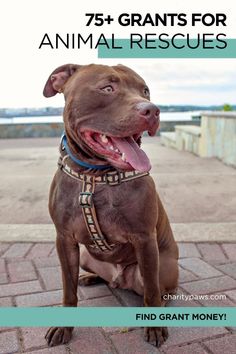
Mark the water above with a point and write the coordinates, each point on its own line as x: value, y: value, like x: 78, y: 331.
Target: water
x: 39, y: 119
x: 165, y: 116
x: 168, y: 116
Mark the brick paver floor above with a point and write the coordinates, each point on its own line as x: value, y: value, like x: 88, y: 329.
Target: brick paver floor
x: 30, y: 276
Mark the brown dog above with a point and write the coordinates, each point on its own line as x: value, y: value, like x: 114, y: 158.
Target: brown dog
x: 109, y: 218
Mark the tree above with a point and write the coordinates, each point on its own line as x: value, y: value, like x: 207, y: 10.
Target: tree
x: 227, y: 107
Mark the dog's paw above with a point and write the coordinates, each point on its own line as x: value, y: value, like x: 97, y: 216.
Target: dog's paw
x: 156, y: 335
x: 58, y: 335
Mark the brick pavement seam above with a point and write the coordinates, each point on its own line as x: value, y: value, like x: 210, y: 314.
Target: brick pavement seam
x: 40, y: 279
x: 52, y: 250
x: 8, y: 272
x: 118, y: 297
x: 212, y: 338
x: 230, y: 329
x: 20, y: 340
x: 202, y: 340
x: 223, y: 272
x: 212, y: 292
x: 109, y: 341
x: 219, y: 243
x: 33, y: 243
x: 2, y: 252
x: 199, y: 250
x: 182, y: 345
x: 8, y: 278
x: 223, y: 250
x: 190, y: 271
x: 204, y: 348
x: 212, y: 277
x: 33, y: 348
x: 221, y: 335
x: 6, y: 269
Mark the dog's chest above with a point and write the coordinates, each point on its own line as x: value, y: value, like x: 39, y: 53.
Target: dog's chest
x: 122, y: 211
x: 118, y: 210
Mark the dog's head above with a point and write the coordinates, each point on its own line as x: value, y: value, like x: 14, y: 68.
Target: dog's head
x: 107, y: 108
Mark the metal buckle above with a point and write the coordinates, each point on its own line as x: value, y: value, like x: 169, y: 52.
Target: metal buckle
x: 61, y: 143
x: 86, y: 199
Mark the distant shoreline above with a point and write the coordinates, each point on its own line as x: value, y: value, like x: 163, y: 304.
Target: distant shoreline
x: 164, y: 116
x: 58, y: 111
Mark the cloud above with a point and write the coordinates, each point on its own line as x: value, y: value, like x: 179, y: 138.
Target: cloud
x: 191, y: 81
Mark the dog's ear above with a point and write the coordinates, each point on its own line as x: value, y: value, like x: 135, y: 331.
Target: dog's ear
x: 58, y: 78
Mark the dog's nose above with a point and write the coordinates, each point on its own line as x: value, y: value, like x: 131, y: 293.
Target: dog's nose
x: 148, y: 110
x: 149, y: 113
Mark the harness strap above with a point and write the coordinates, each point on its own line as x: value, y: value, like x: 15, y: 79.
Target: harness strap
x: 112, y: 178
x: 89, y: 182
x: 89, y: 213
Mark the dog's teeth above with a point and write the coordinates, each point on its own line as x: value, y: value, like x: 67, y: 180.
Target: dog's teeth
x: 104, y: 138
x: 123, y: 156
x: 111, y: 147
x: 116, y: 150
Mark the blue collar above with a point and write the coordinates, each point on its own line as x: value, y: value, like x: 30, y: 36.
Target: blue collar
x: 77, y: 161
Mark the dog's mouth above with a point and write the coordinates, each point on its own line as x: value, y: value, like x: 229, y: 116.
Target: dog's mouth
x: 124, y: 153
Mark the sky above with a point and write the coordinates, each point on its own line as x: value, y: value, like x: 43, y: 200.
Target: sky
x: 25, y: 68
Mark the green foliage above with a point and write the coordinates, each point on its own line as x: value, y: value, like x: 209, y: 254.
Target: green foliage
x: 227, y: 107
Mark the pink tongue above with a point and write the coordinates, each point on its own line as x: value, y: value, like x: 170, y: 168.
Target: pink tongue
x: 133, y: 154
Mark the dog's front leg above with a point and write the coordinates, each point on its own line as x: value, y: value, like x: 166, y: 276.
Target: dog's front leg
x: 147, y: 254
x: 68, y: 252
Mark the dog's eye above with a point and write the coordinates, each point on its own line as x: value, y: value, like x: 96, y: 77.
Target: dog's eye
x: 146, y: 91
x: 107, y: 89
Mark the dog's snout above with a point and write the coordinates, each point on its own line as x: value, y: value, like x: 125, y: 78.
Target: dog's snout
x: 148, y: 110
x: 149, y: 113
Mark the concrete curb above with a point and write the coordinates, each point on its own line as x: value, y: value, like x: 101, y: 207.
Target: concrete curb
x: 27, y: 233
x: 205, y: 232
x: 192, y: 232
